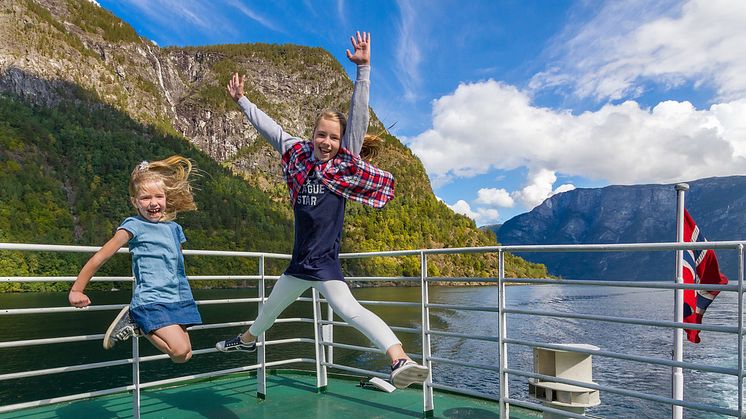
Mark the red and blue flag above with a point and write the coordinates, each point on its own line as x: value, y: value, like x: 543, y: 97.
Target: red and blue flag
x: 700, y: 267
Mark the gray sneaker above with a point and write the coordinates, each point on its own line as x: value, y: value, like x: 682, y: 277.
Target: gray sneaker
x: 121, y: 329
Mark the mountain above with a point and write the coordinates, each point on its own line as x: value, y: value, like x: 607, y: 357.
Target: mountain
x: 629, y: 214
x: 84, y: 98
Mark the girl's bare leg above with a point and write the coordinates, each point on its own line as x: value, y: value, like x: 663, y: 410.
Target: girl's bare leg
x: 172, y: 340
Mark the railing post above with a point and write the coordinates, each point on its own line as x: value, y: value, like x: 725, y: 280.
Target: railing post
x: 502, y: 332
x: 321, y: 381
x: 677, y: 374
x: 136, y: 377
x: 328, y: 334
x: 740, y: 331
x: 135, y: 367
x: 261, y: 374
x: 427, y: 386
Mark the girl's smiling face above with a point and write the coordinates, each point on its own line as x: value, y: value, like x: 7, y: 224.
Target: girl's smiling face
x: 326, y: 139
x: 150, y: 201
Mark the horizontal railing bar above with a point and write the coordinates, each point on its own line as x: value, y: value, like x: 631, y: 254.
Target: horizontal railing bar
x: 64, y: 278
x: 466, y: 392
x: 625, y: 284
x: 611, y: 247
x: 389, y: 303
x: 463, y: 307
x: 82, y: 338
x: 228, y: 301
x: 617, y: 355
x: 464, y: 364
x: 83, y: 367
x: 604, y: 283
x: 615, y: 247
x: 131, y: 278
x: 49, y: 341
x: 46, y: 310
x: 353, y: 347
x: 373, y: 302
x: 195, y: 252
x: 625, y: 320
x: 394, y: 328
x: 382, y: 278
x: 71, y: 368
x: 462, y: 335
x: 629, y: 393
x: 624, y: 247
x: 459, y: 279
x: 92, y: 249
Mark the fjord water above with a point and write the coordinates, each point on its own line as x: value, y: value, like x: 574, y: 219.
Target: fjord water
x: 716, y: 349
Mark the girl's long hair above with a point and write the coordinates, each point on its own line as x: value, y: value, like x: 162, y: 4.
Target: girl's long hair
x: 173, y: 172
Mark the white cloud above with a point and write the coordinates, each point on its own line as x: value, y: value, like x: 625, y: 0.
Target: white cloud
x: 539, y: 188
x: 491, y: 125
x: 631, y: 42
x: 481, y: 216
x: 494, y: 197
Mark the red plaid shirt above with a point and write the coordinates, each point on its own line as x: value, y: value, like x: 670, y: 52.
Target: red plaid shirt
x: 345, y: 175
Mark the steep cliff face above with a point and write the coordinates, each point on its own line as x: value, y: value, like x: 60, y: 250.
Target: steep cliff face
x: 629, y: 214
x: 56, y: 53
x: 43, y: 47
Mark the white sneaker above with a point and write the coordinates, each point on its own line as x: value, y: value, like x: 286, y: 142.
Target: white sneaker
x: 235, y: 344
x: 405, y: 372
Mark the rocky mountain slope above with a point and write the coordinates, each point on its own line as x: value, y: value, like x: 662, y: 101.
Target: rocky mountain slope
x: 72, y: 56
x: 629, y: 214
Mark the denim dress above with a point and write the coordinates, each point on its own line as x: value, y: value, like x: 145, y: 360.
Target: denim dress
x: 162, y: 294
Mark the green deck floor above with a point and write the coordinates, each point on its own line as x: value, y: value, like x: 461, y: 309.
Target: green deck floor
x: 289, y: 395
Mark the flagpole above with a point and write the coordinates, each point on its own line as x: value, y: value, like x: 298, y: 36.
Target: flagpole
x: 677, y: 374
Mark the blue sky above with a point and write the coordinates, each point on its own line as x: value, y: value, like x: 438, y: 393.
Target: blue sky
x: 509, y: 102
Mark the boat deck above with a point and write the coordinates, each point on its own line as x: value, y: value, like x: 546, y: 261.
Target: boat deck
x: 289, y: 394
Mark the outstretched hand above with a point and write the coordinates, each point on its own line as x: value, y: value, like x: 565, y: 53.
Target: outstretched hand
x: 235, y: 86
x: 361, y: 46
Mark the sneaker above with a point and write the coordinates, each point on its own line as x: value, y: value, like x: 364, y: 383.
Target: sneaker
x: 235, y: 344
x: 405, y: 372
x: 121, y: 329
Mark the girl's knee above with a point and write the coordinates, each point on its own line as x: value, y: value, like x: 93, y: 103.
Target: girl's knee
x: 181, y: 358
x: 181, y: 353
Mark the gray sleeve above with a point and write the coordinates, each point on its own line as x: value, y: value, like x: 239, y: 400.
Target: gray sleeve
x: 267, y: 127
x: 358, y: 118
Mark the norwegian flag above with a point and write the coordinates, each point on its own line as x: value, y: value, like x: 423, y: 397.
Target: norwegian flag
x: 700, y: 267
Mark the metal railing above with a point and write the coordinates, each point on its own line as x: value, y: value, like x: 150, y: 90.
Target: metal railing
x: 324, y: 343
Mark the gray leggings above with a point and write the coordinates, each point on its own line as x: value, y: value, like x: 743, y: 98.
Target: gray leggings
x: 338, y: 294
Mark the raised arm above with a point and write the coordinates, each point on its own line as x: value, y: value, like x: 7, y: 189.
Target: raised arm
x: 267, y: 127
x: 358, y: 118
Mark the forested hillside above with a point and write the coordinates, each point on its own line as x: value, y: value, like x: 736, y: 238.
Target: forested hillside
x: 83, y: 99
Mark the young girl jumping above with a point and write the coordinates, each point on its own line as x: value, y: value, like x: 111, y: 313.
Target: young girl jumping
x: 162, y: 305
x: 321, y: 175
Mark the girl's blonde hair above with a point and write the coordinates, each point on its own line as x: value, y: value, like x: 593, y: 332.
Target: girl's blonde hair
x: 371, y: 143
x: 173, y: 173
